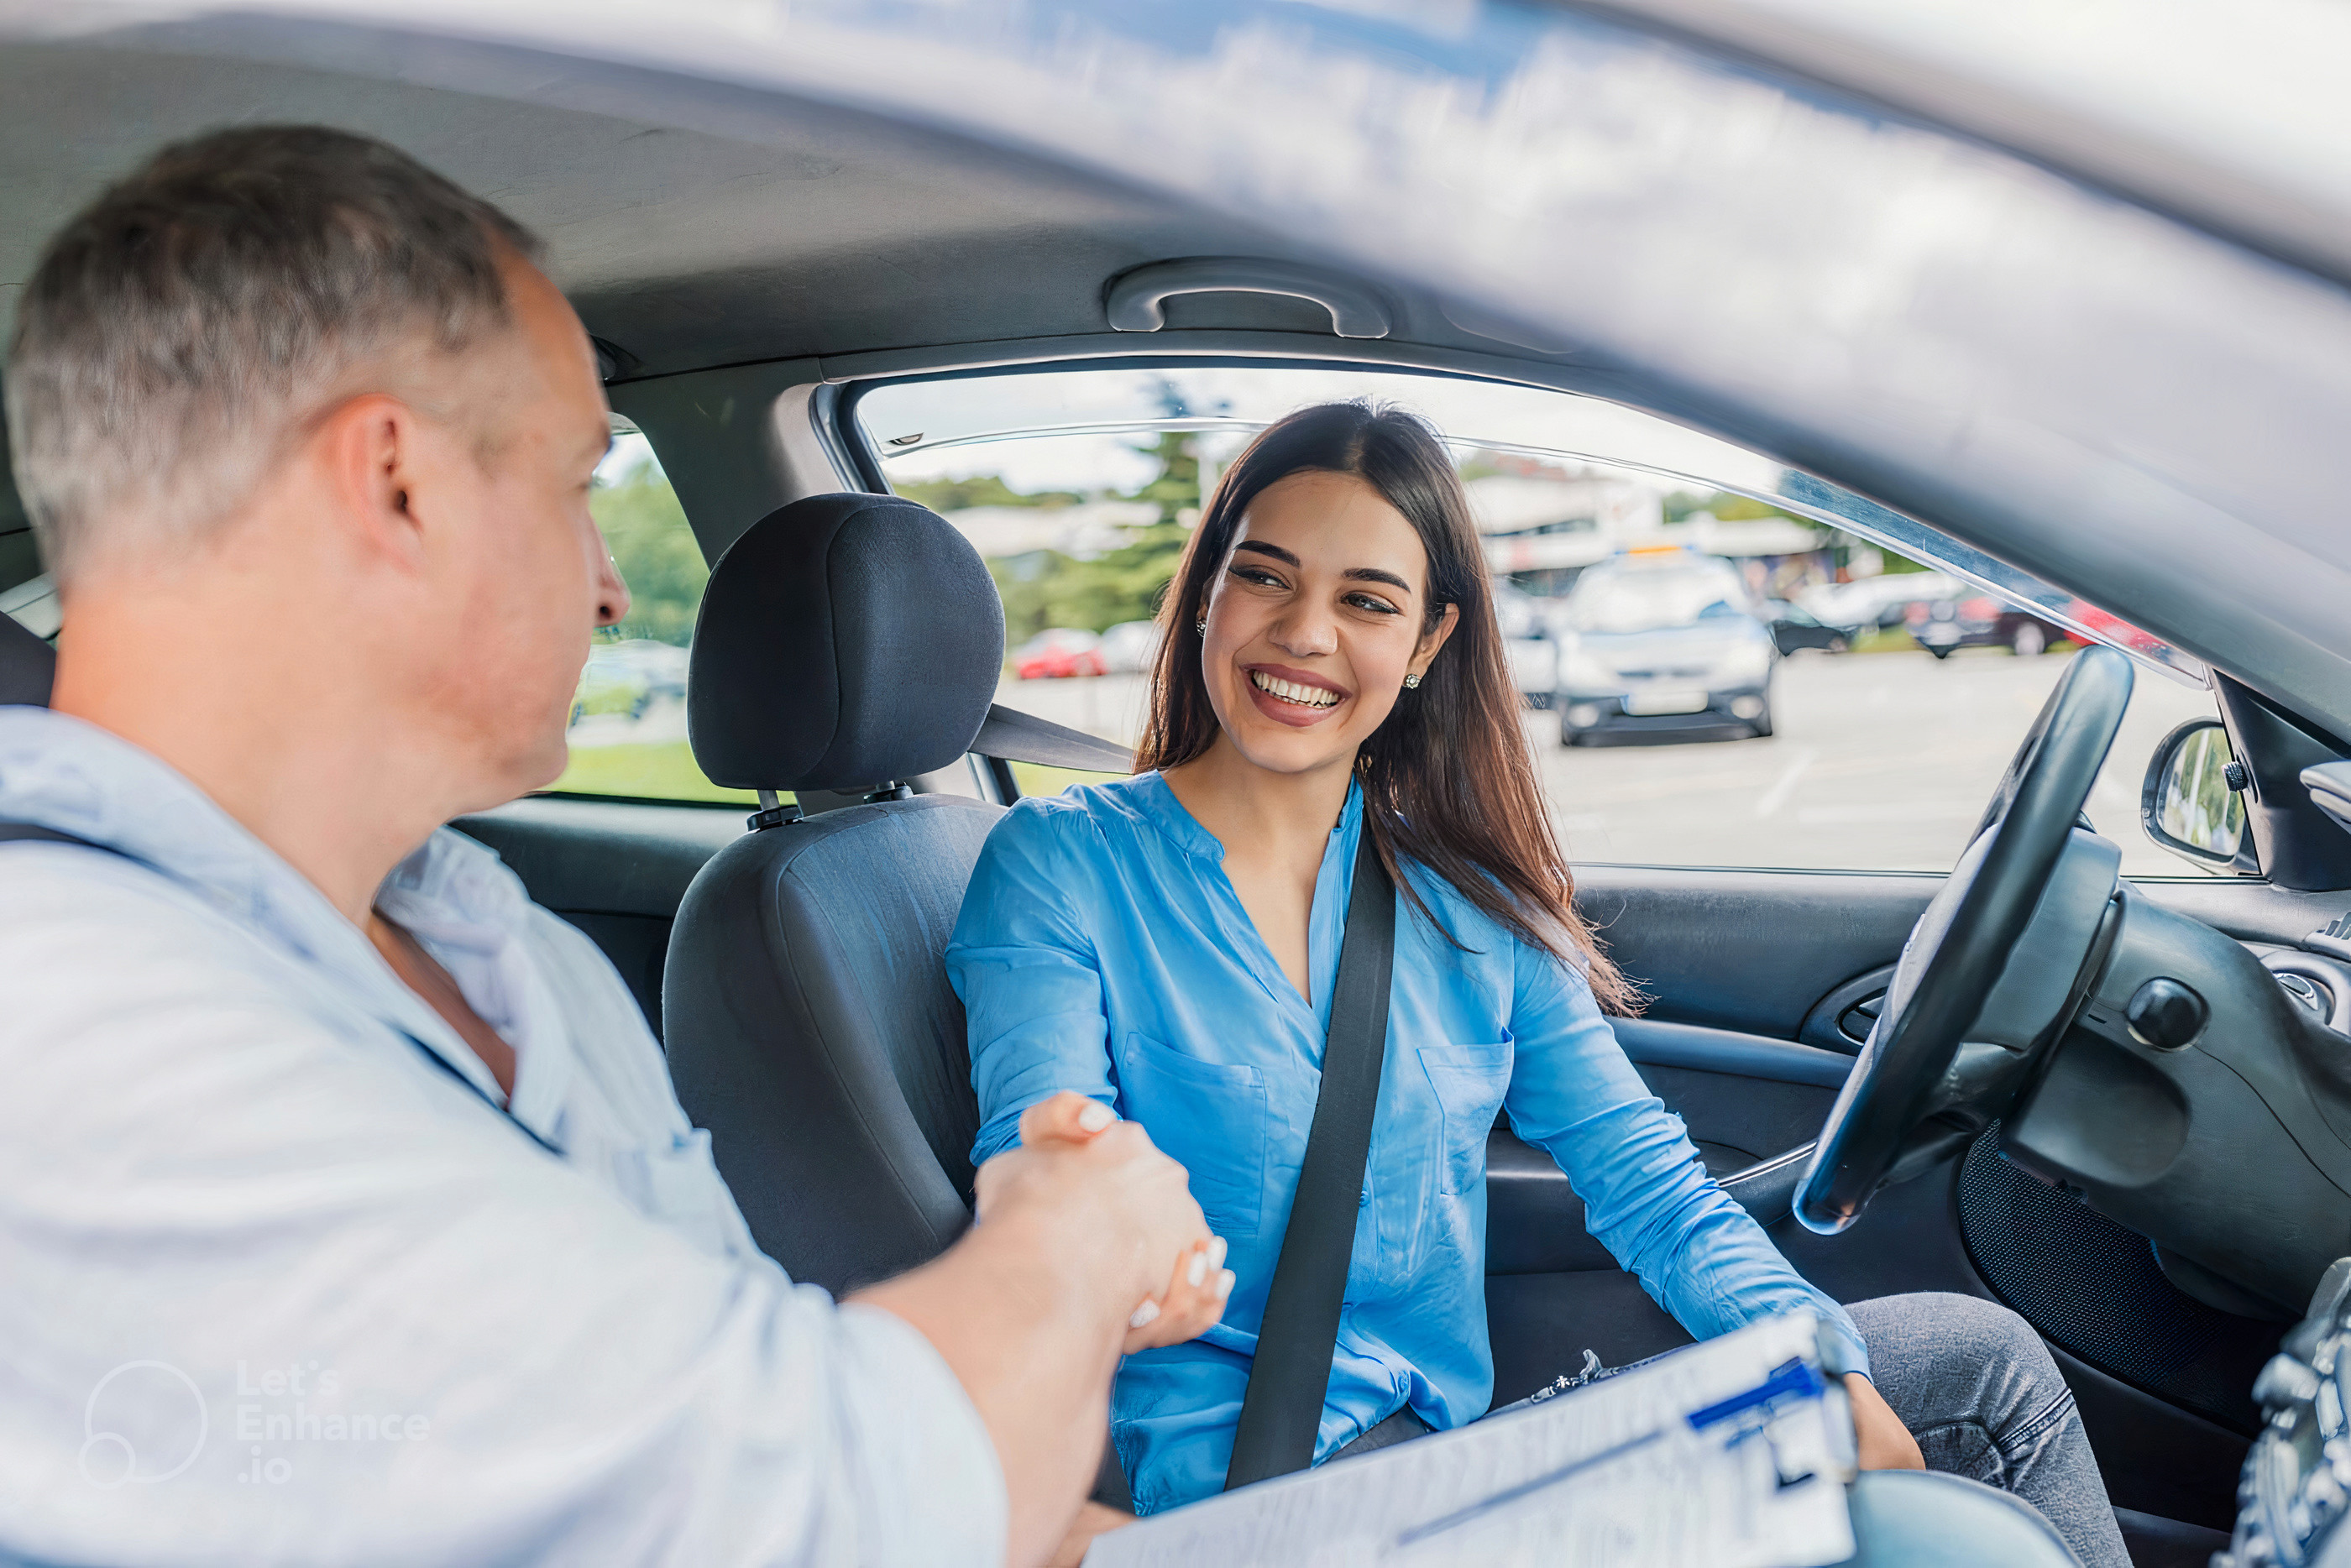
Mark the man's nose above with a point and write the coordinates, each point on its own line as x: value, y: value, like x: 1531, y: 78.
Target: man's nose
x: 611, y: 593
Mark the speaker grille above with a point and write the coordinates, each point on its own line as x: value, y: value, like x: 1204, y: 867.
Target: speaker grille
x: 2095, y: 1288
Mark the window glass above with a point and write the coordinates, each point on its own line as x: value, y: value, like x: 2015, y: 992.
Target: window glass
x: 628, y: 719
x: 1724, y: 662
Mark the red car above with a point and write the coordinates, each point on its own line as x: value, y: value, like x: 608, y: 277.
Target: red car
x: 1059, y: 652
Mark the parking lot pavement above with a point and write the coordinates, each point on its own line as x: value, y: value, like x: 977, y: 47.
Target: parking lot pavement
x: 1881, y: 761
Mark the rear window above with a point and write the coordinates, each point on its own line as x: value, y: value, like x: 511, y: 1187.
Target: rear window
x: 627, y: 717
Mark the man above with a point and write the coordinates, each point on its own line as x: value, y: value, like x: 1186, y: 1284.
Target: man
x: 346, y: 1212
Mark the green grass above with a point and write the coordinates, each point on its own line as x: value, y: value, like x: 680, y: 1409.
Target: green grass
x: 665, y: 770
x: 645, y: 771
x: 1894, y: 639
x: 1036, y: 778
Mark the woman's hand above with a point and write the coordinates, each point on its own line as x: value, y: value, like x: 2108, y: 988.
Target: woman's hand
x: 1092, y: 1520
x: 1195, y: 1299
x: 1200, y: 1284
x: 1883, y: 1441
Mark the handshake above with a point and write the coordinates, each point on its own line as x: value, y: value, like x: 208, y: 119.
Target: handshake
x: 1089, y: 1247
x: 1103, y: 1188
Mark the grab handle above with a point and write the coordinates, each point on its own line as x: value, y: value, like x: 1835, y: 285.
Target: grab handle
x: 1138, y: 299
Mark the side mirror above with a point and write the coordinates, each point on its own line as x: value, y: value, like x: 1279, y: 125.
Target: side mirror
x: 2192, y: 802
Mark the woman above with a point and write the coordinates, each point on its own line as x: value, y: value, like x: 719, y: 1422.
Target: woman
x: 1167, y: 945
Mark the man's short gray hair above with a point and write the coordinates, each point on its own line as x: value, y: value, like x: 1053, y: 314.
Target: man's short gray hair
x: 175, y: 330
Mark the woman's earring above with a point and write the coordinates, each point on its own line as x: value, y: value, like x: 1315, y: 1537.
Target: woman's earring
x: 1201, y: 626
x: 1412, y: 682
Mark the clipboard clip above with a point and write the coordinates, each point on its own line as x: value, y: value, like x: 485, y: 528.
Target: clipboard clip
x: 1792, y: 1380
x: 1757, y: 1412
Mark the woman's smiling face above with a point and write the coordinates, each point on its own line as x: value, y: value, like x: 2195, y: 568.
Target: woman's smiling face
x: 1315, y: 621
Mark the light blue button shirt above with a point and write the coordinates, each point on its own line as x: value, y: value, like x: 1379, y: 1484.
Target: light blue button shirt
x: 1102, y: 948
x: 247, y: 1219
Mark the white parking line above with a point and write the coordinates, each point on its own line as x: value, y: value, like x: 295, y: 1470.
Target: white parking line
x: 1773, y: 799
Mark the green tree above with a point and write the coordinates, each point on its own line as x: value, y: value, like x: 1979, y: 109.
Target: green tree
x: 1047, y: 589
x: 980, y: 490
x: 645, y: 529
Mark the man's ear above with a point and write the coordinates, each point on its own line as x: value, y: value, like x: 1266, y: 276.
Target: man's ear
x: 370, y: 446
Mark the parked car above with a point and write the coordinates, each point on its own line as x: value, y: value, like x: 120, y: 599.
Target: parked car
x: 628, y: 678
x: 1059, y: 652
x: 2111, y: 628
x: 1793, y: 627
x: 1944, y: 624
x: 1663, y: 645
x: 1129, y: 647
x: 1872, y: 604
x: 1527, y: 641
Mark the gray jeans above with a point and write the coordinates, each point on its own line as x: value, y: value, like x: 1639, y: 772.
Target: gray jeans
x: 1977, y: 1388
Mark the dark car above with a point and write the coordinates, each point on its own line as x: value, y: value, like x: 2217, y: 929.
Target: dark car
x: 1951, y: 621
x: 1794, y: 627
x: 1662, y: 646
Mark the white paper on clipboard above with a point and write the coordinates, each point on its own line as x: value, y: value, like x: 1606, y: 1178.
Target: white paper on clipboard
x: 1613, y: 1473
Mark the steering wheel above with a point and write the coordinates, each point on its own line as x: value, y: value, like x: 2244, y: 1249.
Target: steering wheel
x: 1996, y: 967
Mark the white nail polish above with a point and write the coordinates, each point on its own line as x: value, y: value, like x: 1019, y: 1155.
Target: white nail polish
x: 1096, y: 1117
x: 1225, y: 1280
x: 1143, y: 1315
x: 1197, y: 1271
x: 1216, y: 1249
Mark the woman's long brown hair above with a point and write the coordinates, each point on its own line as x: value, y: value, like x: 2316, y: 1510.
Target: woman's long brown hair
x: 1448, y: 780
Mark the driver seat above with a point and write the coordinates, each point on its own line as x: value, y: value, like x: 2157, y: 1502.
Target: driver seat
x: 846, y: 643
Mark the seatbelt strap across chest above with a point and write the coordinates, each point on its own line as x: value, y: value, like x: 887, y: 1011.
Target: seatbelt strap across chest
x: 1290, y: 1375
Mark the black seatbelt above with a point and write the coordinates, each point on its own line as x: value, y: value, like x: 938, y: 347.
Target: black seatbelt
x: 26, y: 832
x: 1290, y: 1375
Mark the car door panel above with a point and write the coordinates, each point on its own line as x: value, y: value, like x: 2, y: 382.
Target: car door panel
x: 2159, y: 1379
x: 1748, y: 951
x: 615, y: 870
x: 1541, y: 1324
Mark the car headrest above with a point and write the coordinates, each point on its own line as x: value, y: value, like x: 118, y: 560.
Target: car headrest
x: 28, y: 664
x: 844, y: 641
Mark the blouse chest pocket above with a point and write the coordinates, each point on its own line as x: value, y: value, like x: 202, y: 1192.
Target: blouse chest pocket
x: 1207, y: 1116
x: 1469, y: 1081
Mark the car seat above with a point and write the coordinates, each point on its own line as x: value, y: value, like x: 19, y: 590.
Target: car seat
x: 845, y: 643
x: 28, y: 664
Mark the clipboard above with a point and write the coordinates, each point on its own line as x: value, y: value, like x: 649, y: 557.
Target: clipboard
x: 1731, y: 1454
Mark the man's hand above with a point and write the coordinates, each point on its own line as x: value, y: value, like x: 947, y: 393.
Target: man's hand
x: 1033, y: 1308
x: 1195, y: 1292
x: 1100, y: 1188
x: 1092, y: 1520
x: 1883, y: 1441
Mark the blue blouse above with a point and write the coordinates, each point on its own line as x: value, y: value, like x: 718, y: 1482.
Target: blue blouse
x: 1102, y: 948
